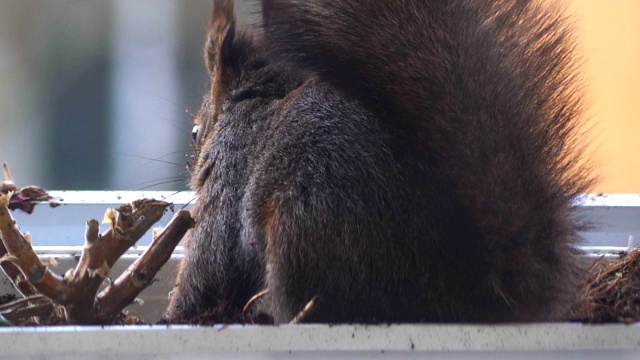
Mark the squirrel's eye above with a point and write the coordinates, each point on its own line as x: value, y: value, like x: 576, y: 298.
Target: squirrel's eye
x: 194, y: 131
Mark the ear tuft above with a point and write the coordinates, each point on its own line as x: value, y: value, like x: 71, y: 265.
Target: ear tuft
x: 220, y: 33
x: 218, y: 51
x: 222, y: 16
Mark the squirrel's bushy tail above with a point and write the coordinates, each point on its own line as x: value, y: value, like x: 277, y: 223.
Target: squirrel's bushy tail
x: 490, y: 89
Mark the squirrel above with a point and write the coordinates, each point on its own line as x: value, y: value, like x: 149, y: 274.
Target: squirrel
x: 386, y: 161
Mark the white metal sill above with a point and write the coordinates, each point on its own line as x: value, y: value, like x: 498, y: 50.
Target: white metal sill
x: 531, y: 341
x: 613, y: 217
x: 617, y: 216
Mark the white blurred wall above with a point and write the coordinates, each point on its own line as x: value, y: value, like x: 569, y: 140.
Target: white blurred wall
x: 92, y: 89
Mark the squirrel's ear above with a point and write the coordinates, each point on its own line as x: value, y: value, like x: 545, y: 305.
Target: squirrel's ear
x: 218, y: 50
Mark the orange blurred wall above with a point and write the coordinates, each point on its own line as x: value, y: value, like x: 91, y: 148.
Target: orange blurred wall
x: 610, y: 36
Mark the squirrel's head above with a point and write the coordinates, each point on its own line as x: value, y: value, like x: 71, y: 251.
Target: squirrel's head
x: 241, y: 69
x: 226, y: 52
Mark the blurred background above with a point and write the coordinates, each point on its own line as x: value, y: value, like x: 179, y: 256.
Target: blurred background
x: 96, y: 94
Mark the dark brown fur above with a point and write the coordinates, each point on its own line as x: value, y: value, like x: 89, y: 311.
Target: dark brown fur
x: 399, y: 161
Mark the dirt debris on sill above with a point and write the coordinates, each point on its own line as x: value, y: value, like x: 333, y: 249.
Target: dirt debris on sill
x: 610, y: 290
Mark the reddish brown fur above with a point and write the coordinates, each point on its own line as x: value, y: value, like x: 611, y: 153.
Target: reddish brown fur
x: 399, y: 161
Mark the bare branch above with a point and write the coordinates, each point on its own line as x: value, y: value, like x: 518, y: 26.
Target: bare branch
x: 21, y: 255
x: 128, y: 224
x: 76, y: 292
x: 140, y: 274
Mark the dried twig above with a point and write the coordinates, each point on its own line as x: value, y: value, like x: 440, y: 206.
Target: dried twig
x: 139, y: 275
x: 21, y: 255
x: 14, y: 274
x: 611, y: 290
x: 304, y: 314
x: 18, y: 311
x: 8, y: 187
x: 251, y: 301
x: 128, y: 224
x: 76, y: 292
x: 26, y: 198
